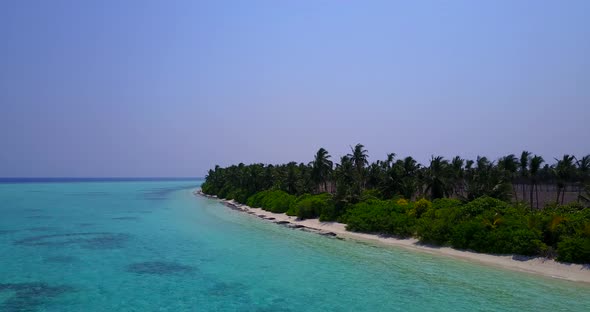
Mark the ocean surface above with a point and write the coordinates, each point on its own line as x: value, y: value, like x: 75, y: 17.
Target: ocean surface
x: 152, y: 245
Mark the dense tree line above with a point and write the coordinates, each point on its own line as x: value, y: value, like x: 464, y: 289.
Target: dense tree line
x: 405, y: 177
x: 461, y: 203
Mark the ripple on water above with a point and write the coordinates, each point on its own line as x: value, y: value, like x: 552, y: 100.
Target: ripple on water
x: 60, y: 259
x: 30, y: 296
x: 159, y: 268
x: 230, y: 290
x: 39, y: 217
x: 90, y: 194
x: 126, y: 218
x: 226, y: 288
x: 272, y: 308
x: 33, y: 210
x: 6, y: 232
x: 139, y: 211
x: 41, y: 229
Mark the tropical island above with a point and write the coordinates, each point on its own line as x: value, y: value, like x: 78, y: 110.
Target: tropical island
x: 515, y: 205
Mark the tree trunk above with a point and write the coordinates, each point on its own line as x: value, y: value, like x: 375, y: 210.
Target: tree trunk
x: 532, y: 188
x: 537, y: 194
x: 562, y: 195
x: 523, y: 192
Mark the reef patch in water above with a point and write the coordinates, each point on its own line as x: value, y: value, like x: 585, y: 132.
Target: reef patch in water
x: 96, y: 240
x: 30, y: 296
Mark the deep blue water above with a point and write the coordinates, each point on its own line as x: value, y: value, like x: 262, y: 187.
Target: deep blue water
x: 151, y: 245
x: 77, y: 180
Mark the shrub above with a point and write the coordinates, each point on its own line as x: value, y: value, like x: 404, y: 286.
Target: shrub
x: 310, y: 208
x: 271, y: 200
x: 294, y: 209
x: 574, y: 249
x: 369, y: 217
x: 238, y: 195
x: 207, y: 188
x: 370, y: 194
x: 401, y: 202
x: 483, y: 204
x: 436, y: 224
x: 420, y: 207
x: 483, y: 225
x: 313, y: 206
x: 493, y: 233
x: 402, y: 225
x: 378, y: 216
x: 468, y: 235
x: 445, y: 203
x: 255, y: 200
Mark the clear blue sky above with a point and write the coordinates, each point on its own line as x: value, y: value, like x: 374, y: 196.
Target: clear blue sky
x: 171, y: 88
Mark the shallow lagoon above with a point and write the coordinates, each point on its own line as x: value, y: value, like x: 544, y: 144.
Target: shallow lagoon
x: 154, y: 246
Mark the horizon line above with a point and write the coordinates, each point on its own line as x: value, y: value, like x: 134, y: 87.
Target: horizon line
x: 95, y: 178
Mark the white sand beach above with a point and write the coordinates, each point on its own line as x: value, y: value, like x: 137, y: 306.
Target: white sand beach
x: 538, y: 265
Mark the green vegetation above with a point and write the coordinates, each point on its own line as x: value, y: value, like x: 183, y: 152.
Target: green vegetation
x: 380, y: 217
x: 458, y: 203
x: 484, y: 225
x: 271, y: 200
x: 306, y: 206
x: 313, y: 206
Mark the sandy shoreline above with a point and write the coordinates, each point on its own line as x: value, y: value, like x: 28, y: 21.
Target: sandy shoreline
x: 538, y: 265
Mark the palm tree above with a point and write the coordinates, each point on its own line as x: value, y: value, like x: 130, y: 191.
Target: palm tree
x: 564, y: 170
x: 437, y: 178
x: 305, y: 182
x: 457, y: 172
x: 359, y: 159
x: 255, y: 177
x: 509, y: 165
x: 583, y: 172
x: 391, y: 182
x: 476, y: 177
x: 291, y: 178
x: 380, y: 176
x: 375, y: 174
x: 408, y: 169
x: 321, y: 168
x: 347, y: 189
x: 486, y: 180
x: 534, y: 167
x: 390, y: 158
x: 546, y: 174
x: 524, y: 161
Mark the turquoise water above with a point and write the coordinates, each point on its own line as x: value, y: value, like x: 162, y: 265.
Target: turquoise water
x: 153, y: 246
